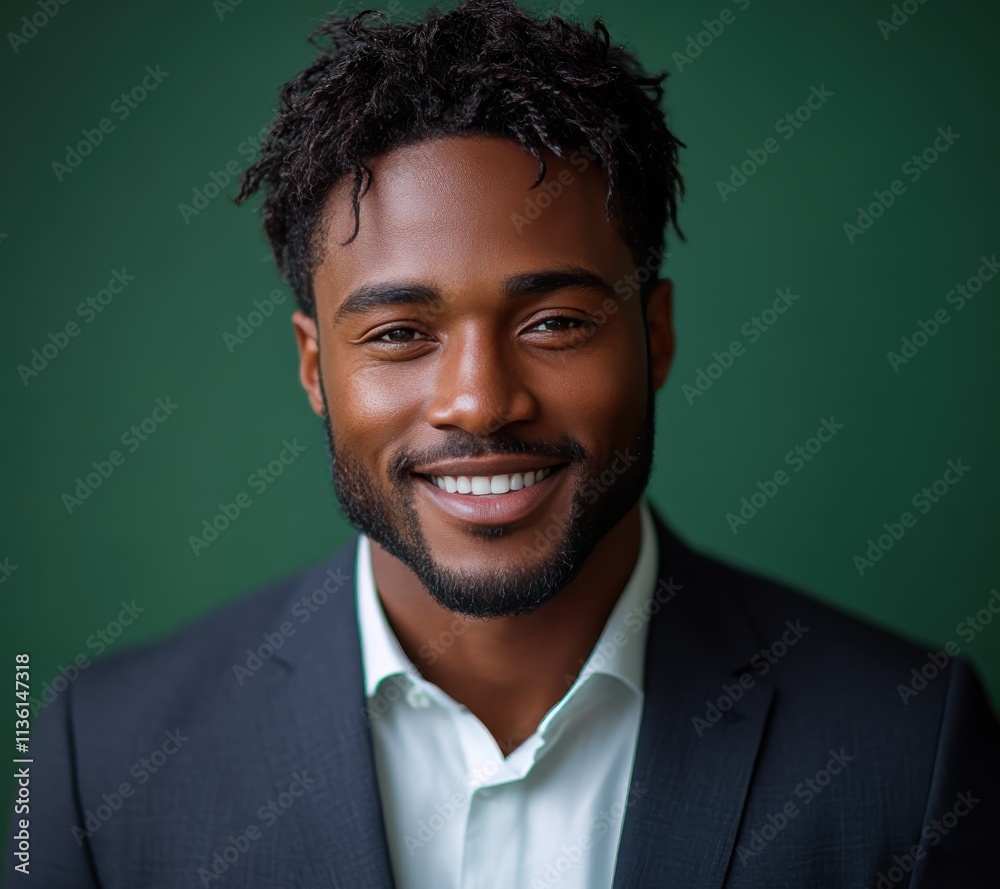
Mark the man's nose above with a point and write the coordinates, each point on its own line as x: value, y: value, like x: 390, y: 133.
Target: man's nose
x: 480, y: 387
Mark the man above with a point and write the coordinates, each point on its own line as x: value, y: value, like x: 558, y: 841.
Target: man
x: 516, y: 675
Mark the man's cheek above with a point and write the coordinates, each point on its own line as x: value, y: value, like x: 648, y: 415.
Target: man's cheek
x: 373, y: 407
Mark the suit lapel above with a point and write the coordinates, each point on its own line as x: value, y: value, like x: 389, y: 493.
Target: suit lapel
x: 314, y: 722
x: 689, y: 782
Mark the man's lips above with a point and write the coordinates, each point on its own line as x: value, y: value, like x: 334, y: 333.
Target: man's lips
x: 497, y: 498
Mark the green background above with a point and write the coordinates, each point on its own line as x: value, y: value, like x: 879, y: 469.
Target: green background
x: 827, y: 356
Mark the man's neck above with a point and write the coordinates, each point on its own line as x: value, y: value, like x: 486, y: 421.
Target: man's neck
x: 509, y: 671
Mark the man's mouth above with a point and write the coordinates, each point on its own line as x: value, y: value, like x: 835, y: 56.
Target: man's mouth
x: 491, y: 498
x: 489, y: 484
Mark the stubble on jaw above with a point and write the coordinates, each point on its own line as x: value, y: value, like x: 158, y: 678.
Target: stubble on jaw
x: 498, y: 591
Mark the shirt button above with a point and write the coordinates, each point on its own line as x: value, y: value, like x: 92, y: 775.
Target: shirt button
x: 418, y: 698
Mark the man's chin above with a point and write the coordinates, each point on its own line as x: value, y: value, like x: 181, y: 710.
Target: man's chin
x: 486, y: 592
x: 511, y: 572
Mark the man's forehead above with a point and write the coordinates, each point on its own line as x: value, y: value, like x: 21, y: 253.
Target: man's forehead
x: 443, y: 204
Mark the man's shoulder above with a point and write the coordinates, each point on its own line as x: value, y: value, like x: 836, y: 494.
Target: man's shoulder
x: 861, y: 738
x: 769, y: 604
x: 230, y: 643
x: 808, y: 647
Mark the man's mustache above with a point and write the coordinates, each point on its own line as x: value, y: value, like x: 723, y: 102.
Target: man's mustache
x: 458, y: 447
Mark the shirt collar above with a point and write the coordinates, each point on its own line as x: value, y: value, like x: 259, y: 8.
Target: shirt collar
x: 382, y: 655
x: 619, y: 651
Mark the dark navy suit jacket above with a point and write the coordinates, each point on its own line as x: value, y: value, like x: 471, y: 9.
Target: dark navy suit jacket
x: 775, y: 750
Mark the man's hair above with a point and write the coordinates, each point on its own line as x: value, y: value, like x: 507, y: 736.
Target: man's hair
x: 485, y: 67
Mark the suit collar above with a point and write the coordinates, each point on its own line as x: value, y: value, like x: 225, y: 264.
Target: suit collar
x: 313, y: 720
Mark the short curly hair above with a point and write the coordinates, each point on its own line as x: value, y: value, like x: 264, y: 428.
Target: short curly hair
x: 485, y: 67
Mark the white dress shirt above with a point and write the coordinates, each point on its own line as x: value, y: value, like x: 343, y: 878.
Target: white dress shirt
x: 458, y: 815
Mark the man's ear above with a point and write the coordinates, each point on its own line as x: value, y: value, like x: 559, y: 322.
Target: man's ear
x: 309, y: 364
x: 660, y: 326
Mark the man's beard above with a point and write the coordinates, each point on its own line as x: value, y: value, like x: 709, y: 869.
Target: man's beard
x: 602, y: 497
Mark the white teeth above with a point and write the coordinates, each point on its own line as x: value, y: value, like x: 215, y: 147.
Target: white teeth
x: 489, y: 484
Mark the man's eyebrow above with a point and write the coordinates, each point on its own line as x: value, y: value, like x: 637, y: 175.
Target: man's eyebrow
x: 555, y: 279
x: 376, y: 296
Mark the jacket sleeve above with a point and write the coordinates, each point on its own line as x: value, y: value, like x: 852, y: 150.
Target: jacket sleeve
x: 959, y: 843
x: 60, y: 857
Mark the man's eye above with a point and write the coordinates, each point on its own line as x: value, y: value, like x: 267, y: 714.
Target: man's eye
x: 563, y: 323
x: 398, y: 335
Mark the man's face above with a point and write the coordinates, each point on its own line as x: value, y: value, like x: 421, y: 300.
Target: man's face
x: 475, y: 336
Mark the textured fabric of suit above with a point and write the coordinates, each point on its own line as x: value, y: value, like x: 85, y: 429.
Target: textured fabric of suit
x: 775, y: 749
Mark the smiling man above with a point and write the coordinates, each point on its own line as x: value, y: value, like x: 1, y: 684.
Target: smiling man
x: 515, y: 675
x: 484, y: 382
